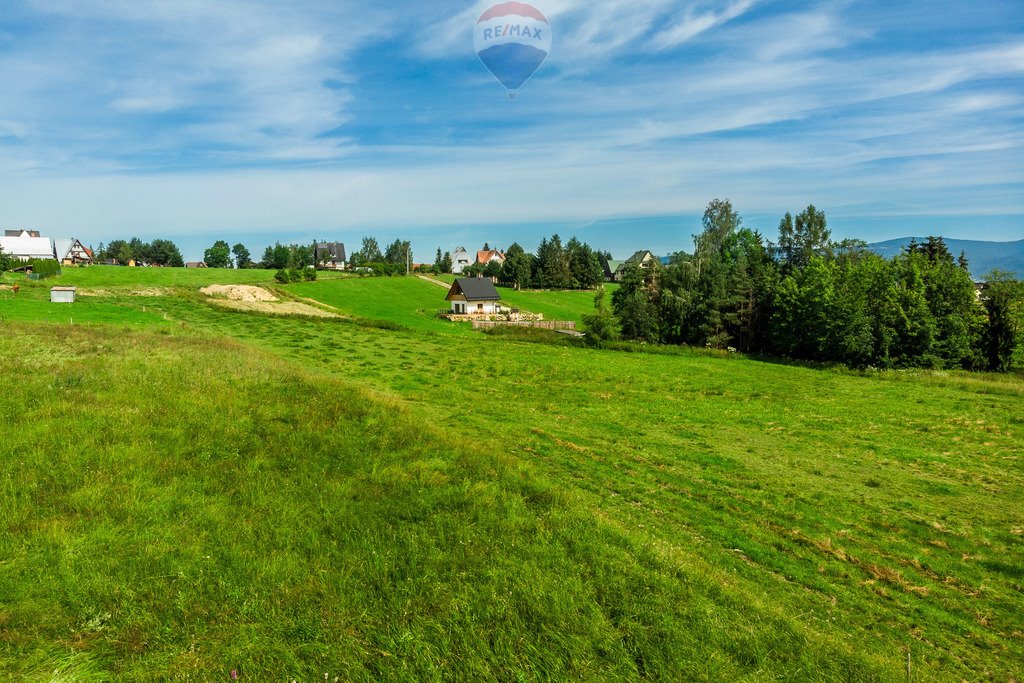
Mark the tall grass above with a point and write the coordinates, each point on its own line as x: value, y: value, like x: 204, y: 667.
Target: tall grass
x: 190, y: 508
x: 319, y: 496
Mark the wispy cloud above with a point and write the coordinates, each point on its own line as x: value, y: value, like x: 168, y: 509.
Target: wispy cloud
x: 694, y: 22
x: 251, y: 73
x: 258, y: 115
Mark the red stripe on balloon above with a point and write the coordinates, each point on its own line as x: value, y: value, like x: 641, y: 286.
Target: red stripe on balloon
x: 519, y: 8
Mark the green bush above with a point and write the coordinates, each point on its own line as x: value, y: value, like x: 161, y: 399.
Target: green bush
x: 309, y: 274
x: 282, y: 276
x: 43, y: 268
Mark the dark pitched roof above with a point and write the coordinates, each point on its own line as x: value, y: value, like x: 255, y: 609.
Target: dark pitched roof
x: 475, y: 289
x: 638, y: 257
x: 335, y: 249
x: 611, y: 266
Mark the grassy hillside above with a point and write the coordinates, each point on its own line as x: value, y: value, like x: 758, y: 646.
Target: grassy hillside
x: 568, y: 305
x: 413, y: 302
x: 324, y: 496
x: 117, y: 276
x: 408, y: 301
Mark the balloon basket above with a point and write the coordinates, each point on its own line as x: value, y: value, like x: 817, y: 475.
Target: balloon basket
x: 512, y: 95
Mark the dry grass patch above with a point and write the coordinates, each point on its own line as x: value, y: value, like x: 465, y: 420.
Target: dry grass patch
x: 247, y: 293
x: 275, y: 308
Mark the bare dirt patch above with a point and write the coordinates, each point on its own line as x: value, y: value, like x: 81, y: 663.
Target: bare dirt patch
x: 243, y: 293
x: 275, y: 307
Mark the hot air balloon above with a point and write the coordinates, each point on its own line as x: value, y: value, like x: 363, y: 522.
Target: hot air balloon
x: 512, y: 39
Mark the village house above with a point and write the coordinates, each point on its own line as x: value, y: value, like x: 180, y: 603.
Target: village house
x: 71, y: 252
x: 490, y: 256
x: 331, y: 255
x: 474, y: 296
x: 196, y: 264
x: 26, y: 245
x: 460, y: 260
x: 615, y: 270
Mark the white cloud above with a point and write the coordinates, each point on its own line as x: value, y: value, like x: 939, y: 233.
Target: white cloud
x: 588, y: 31
x: 241, y: 77
x: 774, y: 110
x: 693, y: 24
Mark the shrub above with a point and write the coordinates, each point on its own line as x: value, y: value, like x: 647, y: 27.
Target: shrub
x: 43, y: 268
x: 309, y: 274
x: 282, y: 276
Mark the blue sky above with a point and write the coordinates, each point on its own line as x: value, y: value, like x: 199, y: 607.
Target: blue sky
x: 255, y: 120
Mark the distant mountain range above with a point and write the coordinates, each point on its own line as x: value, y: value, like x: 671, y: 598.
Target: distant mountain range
x: 982, y: 256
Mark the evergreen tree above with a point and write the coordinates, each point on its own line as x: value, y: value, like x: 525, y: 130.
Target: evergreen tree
x: 915, y: 325
x: 951, y: 298
x: 635, y: 305
x: 242, y: 256
x: 585, y: 271
x: 1002, y: 295
x: 399, y: 253
x: 370, y: 251
x: 515, y: 272
x: 165, y: 253
x: 553, y: 264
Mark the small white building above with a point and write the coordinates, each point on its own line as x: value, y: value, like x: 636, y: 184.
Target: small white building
x: 474, y: 296
x: 460, y: 260
x: 62, y: 295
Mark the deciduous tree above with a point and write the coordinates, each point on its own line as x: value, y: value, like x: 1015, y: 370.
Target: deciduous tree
x: 218, y: 256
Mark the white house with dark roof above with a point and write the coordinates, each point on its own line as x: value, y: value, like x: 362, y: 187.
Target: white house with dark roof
x: 27, y: 245
x: 474, y: 296
x: 71, y: 252
x: 331, y: 255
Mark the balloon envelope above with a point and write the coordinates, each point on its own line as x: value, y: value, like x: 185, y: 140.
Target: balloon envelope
x: 512, y: 39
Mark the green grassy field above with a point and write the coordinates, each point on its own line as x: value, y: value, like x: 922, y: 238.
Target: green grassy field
x: 295, y: 497
x: 554, y: 305
x: 569, y: 305
x: 408, y: 301
x: 116, y: 276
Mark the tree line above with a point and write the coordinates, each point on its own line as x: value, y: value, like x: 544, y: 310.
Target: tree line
x: 574, y: 265
x: 806, y: 297
x: 159, y: 252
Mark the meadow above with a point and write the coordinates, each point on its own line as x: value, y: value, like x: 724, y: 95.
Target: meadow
x: 212, y: 490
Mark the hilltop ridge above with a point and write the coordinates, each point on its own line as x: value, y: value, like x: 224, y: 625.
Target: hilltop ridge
x: 983, y: 256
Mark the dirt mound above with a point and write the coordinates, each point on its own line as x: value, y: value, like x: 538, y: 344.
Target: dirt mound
x: 244, y: 293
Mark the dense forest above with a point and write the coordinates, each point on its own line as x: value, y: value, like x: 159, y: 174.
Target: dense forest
x: 806, y: 297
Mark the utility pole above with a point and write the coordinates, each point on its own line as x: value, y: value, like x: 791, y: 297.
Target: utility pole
x: 407, y: 260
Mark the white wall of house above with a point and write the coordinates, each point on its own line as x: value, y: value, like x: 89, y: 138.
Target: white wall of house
x: 475, y: 307
x: 460, y: 261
